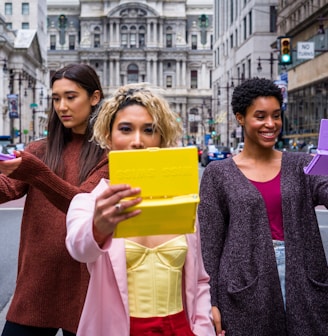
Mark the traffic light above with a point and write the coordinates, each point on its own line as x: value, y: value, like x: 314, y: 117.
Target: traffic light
x: 285, y: 50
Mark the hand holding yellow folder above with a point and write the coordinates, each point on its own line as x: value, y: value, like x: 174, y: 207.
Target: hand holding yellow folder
x: 168, y: 178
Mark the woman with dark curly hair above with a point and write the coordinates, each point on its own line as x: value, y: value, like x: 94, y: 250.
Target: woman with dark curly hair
x: 261, y: 242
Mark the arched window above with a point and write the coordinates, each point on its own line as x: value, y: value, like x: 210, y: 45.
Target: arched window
x: 124, y: 36
x: 169, y: 37
x: 142, y: 34
x: 133, y: 37
x: 133, y: 73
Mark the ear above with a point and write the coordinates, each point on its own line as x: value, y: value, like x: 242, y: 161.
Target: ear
x: 240, y: 119
x: 95, y: 98
x: 109, y: 141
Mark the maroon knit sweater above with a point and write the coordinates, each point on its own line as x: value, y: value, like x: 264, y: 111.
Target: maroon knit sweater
x: 51, y: 286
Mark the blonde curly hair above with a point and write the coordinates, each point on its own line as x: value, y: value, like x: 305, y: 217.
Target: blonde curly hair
x: 165, y: 121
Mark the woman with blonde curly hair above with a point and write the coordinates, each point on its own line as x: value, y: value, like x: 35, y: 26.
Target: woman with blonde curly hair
x: 149, y: 285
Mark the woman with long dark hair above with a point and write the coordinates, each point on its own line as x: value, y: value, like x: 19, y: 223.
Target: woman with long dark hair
x: 51, y: 286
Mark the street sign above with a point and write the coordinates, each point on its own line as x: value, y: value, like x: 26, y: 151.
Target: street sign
x: 33, y: 105
x: 305, y: 50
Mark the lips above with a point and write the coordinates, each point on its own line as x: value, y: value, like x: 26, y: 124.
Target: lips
x: 268, y: 135
x: 66, y: 118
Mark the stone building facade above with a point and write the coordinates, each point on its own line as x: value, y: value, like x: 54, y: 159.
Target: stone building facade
x: 165, y: 43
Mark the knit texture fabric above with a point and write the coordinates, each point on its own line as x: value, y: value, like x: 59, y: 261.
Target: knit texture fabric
x: 51, y: 286
x: 239, y: 256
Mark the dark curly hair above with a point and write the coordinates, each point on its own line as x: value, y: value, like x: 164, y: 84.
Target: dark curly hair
x: 245, y: 93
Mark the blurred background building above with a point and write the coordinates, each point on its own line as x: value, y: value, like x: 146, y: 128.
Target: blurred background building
x: 198, y: 51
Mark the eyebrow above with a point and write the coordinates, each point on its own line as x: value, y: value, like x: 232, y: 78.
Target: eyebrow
x: 66, y: 92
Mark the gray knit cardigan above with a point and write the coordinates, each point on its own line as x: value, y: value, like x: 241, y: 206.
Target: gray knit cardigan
x: 239, y: 256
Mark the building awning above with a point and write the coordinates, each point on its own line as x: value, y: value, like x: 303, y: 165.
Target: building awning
x: 302, y: 135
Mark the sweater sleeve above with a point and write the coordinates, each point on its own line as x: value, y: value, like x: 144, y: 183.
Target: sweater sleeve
x: 212, y: 227
x: 11, y: 189
x: 58, y: 191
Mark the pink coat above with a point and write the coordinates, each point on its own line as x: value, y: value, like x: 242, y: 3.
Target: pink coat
x: 106, y: 310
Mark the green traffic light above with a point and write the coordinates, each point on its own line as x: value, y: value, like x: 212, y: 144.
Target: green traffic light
x: 285, y: 58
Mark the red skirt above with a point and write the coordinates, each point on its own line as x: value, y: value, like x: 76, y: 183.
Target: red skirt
x: 172, y: 325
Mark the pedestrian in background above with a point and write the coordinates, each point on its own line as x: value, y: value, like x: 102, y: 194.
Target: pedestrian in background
x: 261, y: 242
x: 151, y: 285
x: 51, y: 286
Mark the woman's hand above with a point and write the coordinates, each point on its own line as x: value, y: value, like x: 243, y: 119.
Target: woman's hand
x: 8, y: 166
x: 217, y: 321
x: 110, y: 210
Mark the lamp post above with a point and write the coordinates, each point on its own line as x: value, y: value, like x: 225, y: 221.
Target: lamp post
x: 20, y: 79
x: 271, y: 60
x: 227, y: 88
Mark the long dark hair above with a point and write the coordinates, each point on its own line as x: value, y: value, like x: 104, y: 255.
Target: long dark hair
x: 59, y: 136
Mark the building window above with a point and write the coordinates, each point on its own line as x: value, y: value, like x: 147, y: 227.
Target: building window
x: 25, y: 25
x: 245, y: 28
x: 96, y: 42
x: 168, y: 81
x: 133, y: 73
x: 133, y: 37
x: 250, y: 23
x: 124, y: 36
x: 193, y: 42
x: 169, y: 37
x: 8, y: 8
x: 25, y: 8
x: 96, y: 37
x: 52, y: 42
x: 71, y: 41
x: 9, y: 25
x: 142, y: 36
x: 193, y: 79
x: 273, y: 19
x: 169, y: 40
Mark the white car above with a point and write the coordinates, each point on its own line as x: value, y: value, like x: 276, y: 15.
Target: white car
x: 239, y: 148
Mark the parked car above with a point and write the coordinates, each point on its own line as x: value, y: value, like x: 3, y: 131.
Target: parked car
x: 312, y: 150
x: 214, y: 153
x: 200, y: 151
x: 239, y: 148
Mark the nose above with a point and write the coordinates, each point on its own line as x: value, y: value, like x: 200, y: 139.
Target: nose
x: 269, y: 122
x: 137, y: 142
x: 61, y: 105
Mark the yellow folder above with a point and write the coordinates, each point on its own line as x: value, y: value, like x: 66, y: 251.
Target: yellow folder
x: 168, y: 178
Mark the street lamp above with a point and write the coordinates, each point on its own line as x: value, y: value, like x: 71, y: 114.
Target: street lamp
x: 271, y: 60
x: 227, y: 88
x: 21, y: 76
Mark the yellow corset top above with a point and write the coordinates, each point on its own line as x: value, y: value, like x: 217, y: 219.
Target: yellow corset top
x: 155, y: 277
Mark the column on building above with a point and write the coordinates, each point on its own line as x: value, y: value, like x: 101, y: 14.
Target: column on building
x: 160, y: 73
x: 148, y: 33
x: 155, y: 72
x: 148, y: 71
x: 184, y: 73
x: 111, y: 79
x: 117, y: 72
x: 178, y: 73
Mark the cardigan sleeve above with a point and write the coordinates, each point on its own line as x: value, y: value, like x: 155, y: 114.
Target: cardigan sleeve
x: 58, y: 191
x: 212, y: 227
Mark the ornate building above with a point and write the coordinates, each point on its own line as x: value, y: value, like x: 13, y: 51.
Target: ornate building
x: 306, y: 22
x: 165, y: 43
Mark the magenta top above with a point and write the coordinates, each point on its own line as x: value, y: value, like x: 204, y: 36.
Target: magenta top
x: 271, y: 194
